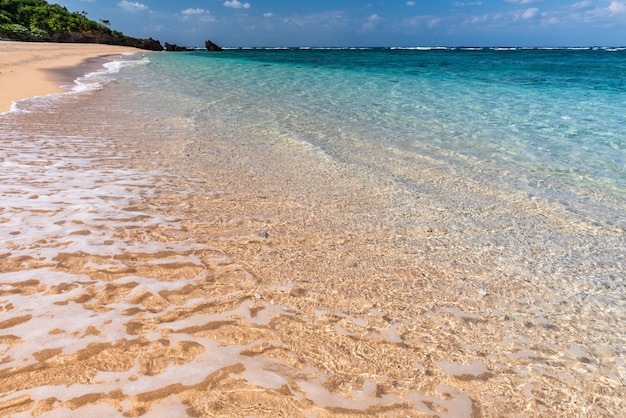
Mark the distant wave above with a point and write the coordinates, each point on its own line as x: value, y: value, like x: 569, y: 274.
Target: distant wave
x: 433, y: 48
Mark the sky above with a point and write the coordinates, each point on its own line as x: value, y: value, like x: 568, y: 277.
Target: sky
x: 337, y: 23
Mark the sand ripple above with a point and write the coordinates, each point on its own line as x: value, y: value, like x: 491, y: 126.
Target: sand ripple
x: 130, y: 291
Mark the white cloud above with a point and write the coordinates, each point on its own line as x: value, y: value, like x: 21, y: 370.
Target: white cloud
x: 371, y: 22
x: 585, y: 12
x: 581, y: 5
x: 197, y: 11
x: 434, y: 22
x: 268, y: 14
x: 198, y: 14
x: 479, y: 19
x: 410, y: 3
x: 236, y: 4
x: 523, y: 1
x: 324, y: 20
x: 130, y: 6
x: 530, y: 13
x: 464, y: 4
x: 617, y: 7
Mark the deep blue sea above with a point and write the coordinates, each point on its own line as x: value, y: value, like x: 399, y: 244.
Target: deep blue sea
x: 548, y: 122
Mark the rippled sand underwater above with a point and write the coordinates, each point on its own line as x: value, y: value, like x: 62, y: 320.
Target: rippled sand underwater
x: 152, y: 267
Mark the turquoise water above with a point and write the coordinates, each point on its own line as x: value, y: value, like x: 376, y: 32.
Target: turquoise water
x: 549, y: 123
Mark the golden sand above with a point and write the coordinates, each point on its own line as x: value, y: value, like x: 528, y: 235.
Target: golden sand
x: 23, y: 66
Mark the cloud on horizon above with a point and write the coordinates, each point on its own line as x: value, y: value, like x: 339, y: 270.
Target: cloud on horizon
x: 197, y: 14
x: 467, y: 4
x: 523, y: 1
x: 236, y: 4
x: 132, y: 6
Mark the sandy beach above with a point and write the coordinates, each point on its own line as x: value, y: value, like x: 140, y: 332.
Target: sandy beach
x: 25, y: 67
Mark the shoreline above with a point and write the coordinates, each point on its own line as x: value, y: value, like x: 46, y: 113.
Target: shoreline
x: 30, y: 69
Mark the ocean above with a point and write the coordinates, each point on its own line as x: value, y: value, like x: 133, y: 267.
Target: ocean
x: 319, y: 232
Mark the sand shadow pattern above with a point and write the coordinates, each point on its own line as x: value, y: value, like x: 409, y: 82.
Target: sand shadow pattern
x: 107, y: 307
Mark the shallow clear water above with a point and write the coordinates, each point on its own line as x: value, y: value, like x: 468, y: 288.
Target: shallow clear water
x: 318, y: 233
x: 547, y: 122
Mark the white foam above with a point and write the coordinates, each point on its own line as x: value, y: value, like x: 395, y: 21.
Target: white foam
x: 360, y: 400
x: 454, y: 404
x: 101, y: 410
x: 89, y: 82
x: 475, y: 369
x: 95, y: 80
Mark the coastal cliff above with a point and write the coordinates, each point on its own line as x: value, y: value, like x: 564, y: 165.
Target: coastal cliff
x: 108, y: 39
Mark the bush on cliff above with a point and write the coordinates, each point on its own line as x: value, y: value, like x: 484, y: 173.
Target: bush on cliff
x: 14, y: 31
x: 17, y: 32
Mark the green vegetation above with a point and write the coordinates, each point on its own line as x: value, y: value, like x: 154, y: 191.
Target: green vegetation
x: 36, y: 20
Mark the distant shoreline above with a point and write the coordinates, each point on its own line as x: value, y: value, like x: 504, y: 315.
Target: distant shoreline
x: 24, y: 67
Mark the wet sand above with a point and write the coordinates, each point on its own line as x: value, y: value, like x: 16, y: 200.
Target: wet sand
x: 146, y: 273
x: 24, y: 65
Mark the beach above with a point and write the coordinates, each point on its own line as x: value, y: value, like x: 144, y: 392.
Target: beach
x: 179, y: 246
x: 23, y: 67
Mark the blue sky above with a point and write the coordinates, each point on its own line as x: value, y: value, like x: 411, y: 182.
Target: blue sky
x: 366, y: 23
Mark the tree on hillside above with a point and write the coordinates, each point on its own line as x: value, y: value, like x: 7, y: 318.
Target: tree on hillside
x: 38, y: 20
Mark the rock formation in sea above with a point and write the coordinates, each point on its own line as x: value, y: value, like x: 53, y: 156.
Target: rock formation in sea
x: 212, y: 47
x: 175, y: 48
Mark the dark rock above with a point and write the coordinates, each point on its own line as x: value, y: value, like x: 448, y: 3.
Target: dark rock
x: 212, y: 47
x: 149, y: 44
x: 175, y: 48
x: 94, y: 37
